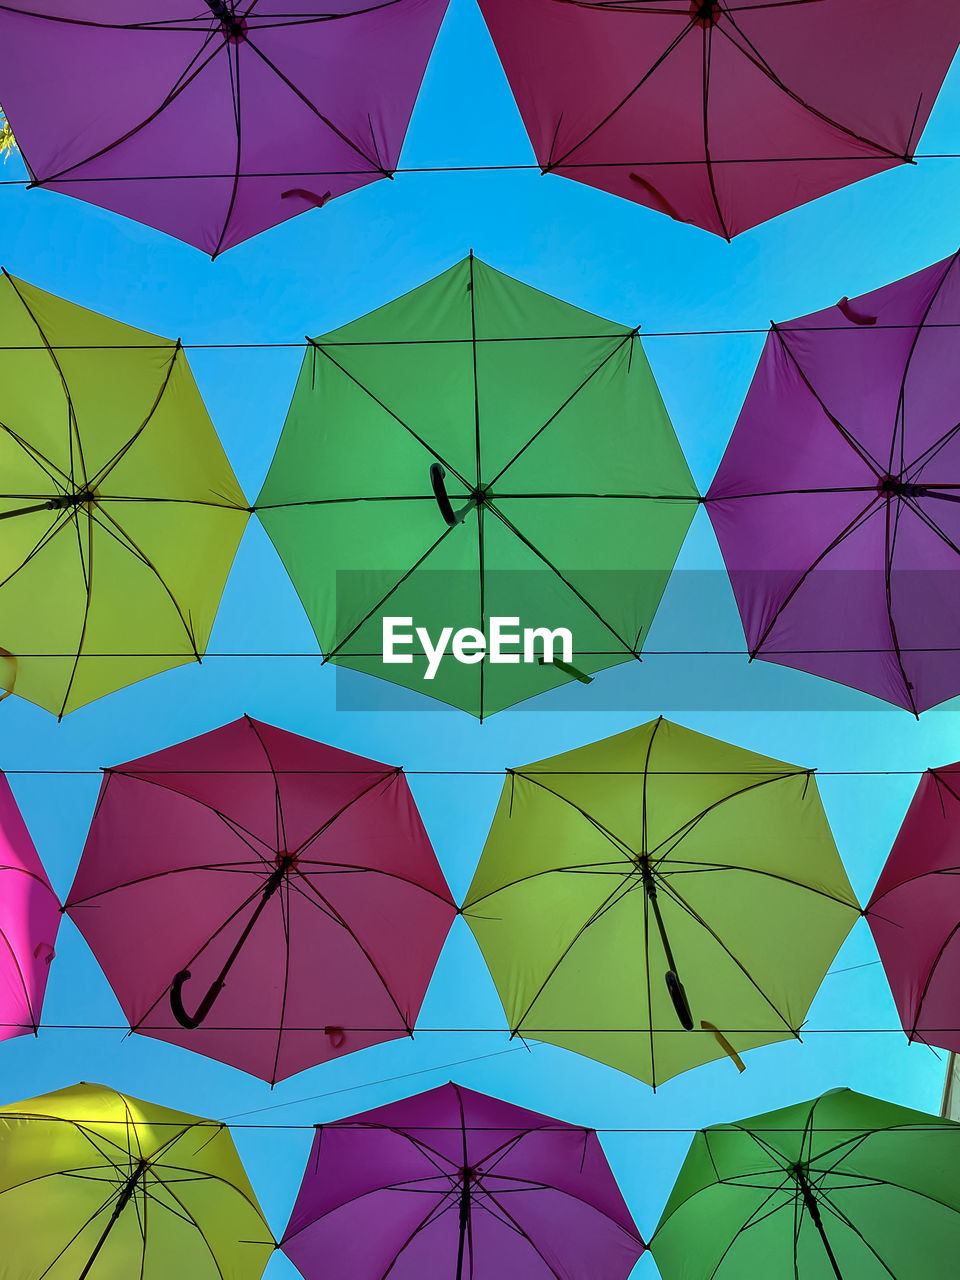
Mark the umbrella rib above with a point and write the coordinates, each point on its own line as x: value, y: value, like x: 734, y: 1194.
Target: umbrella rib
x: 387, y: 777
x: 338, y: 867
x: 517, y: 1227
x: 852, y: 527
x: 286, y: 917
x: 624, y: 339
x: 34, y: 1023
x: 530, y: 1184
x: 186, y: 78
x: 695, y: 915
x: 890, y: 542
x: 435, y: 1212
x: 316, y: 345
x: 842, y: 1217
x: 121, y: 453
x: 924, y: 459
x: 649, y: 986
x: 707, y: 55
x: 375, y: 165
x: 555, y: 164
x: 232, y: 57
x: 115, y: 1193
x: 770, y: 875
x: 862, y: 452
x: 901, y: 398
x: 87, y: 566
x: 45, y: 464
x: 480, y: 505
x: 912, y: 1033
x: 195, y: 1224
x: 754, y: 56
x: 281, y: 829
x: 60, y: 523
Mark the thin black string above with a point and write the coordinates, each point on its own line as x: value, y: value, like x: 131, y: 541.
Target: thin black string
x: 496, y: 773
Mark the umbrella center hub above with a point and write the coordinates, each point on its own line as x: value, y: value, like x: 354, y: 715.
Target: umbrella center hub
x: 233, y: 28
x: 286, y: 861
x: 79, y: 498
x: 705, y: 13
x: 896, y: 485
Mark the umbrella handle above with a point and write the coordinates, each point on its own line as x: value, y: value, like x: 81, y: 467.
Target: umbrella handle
x: 437, y: 477
x: 681, y: 1004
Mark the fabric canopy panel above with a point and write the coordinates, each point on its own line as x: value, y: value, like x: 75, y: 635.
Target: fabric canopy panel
x: 478, y: 449
x: 213, y: 120
x: 96, y: 1183
x: 29, y: 921
x: 454, y: 1184
x: 293, y: 903
x: 119, y: 513
x: 837, y: 503
x: 659, y: 899
x: 914, y: 912
x: 845, y: 1187
x: 723, y: 113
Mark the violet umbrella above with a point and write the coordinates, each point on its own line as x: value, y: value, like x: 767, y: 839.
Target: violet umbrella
x: 455, y: 1185
x: 262, y: 898
x: 212, y: 119
x: 914, y: 912
x: 723, y: 113
x: 29, y: 920
x: 837, y: 502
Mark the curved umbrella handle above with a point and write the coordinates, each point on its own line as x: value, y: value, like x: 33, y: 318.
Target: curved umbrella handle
x: 437, y: 477
x: 850, y: 312
x: 191, y: 1021
x: 681, y: 1004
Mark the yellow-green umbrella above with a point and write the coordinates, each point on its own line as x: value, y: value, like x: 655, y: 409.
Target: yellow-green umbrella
x: 119, y: 512
x: 95, y: 1183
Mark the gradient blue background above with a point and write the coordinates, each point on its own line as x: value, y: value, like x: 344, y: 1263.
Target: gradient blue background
x: 322, y: 270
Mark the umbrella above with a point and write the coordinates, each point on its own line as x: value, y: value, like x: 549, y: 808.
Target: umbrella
x: 213, y: 120
x: 455, y: 1184
x: 119, y: 513
x: 471, y: 451
x: 96, y: 1183
x: 658, y: 899
x: 914, y: 912
x: 836, y: 503
x: 723, y: 113
x: 262, y: 898
x: 29, y: 920
x: 845, y: 1187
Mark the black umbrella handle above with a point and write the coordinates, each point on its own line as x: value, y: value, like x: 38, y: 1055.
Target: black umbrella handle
x: 681, y: 1004
x: 190, y: 1021
x: 122, y: 1202
x: 464, y: 1221
x: 437, y: 476
x: 810, y: 1202
x: 675, y: 988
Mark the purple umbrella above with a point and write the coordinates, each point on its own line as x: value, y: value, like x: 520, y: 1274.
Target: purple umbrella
x: 213, y: 119
x: 454, y: 1184
x: 837, y: 503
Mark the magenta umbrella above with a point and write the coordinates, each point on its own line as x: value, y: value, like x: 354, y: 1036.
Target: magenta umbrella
x: 914, y: 912
x: 212, y: 119
x: 29, y: 920
x: 837, y: 503
x: 455, y: 1185
x: 262, y: 898
x: 723, y: 113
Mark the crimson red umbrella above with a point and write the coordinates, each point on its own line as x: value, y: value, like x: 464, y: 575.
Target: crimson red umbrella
x: 262, y: 898
x: 723, y: 113
x: 914, y: 912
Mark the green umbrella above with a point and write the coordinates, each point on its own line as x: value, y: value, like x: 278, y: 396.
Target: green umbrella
x: 119, y: 513
x: 473, y: 450
x: 658, y: 899
x: 96, y: 1183
x: 845, y: 1187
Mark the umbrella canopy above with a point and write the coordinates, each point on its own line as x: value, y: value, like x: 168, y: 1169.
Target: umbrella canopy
x: 452, y: 1183
x: 213, y: 119
x: 914, y: 912
x: 658, y: 899
x: 119, y: 513
x: 95, y: 1183
x: 723, y: 113
x: 837, y: 503
x: 262, y: 898
x: 845, y: 1187
x: 29, y: 920
x: 475, y: 450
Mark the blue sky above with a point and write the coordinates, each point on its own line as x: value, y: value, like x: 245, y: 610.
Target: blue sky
x: 324, y: 269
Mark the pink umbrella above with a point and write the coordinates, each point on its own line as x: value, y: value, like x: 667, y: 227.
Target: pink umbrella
x: 723, y: 113
x: 914, y: 912
x: 454, y: 1185
x: 262, y: 898
x: 29, y: 920
x: 212, y: 119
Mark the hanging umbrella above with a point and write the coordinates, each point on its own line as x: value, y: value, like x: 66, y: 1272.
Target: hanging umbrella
x: 478, y: 450
x: 658, y: 899
x: 455, y: 1184
x: 96, y: 1183
x: 261, y: 898
x: 836, y: 503
x: 119, y: 513
x: 845, y: 1187
x: 29, y: 920
x: 914, y: 912
x: 213, y: 120
x: 723, y: 113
